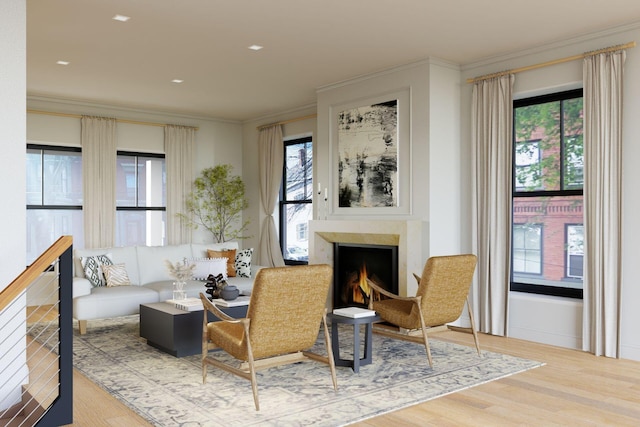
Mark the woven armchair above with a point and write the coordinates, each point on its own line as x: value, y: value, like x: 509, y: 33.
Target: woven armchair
x: 442, y: 292
x: 285, y: 313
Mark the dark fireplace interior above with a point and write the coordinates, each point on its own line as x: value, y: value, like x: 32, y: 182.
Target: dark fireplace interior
x: 353, y: 263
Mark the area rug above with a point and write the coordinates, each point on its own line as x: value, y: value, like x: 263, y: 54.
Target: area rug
x: 168, y: 391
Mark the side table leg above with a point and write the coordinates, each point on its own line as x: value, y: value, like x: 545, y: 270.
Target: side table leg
x: 335, y: 342
x: 356, y: 348
x: 368, y: 347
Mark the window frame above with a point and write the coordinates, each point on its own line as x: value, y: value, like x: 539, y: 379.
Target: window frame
x: 519, y: 286
x: 284, y: 203
x: 138, y: 208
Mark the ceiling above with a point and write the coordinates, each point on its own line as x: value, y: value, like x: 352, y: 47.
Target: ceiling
x: 307, y: 44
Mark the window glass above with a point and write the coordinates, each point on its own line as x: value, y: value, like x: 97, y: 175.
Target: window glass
x: 54, y: 197
x: 296, y: 196
x: 547, y: 235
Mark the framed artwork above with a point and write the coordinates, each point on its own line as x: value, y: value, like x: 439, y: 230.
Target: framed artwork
x: 370, y: 156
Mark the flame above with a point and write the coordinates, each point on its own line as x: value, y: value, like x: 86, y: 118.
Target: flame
x: 362, y: 286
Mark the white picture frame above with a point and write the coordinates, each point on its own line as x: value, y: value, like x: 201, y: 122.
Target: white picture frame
x: 370, y: 148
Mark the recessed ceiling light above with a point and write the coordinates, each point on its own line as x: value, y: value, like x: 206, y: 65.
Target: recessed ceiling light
x: 177, y: 81
x: 121, y: 18
x: 62, y: 62
x: 255, y: 47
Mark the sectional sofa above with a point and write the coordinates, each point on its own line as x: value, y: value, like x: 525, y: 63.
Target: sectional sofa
x: 142, y: 278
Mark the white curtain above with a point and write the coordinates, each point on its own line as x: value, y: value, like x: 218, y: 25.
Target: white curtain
x: 602, y: 202
x: 270, y: 163
x: 99, y: 151
x: 178, y: 148
x: 492, y: 147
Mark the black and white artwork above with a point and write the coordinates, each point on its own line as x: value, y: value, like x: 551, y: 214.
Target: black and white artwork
x: 368, y: 156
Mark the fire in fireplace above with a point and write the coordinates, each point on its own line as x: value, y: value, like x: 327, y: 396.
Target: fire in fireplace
x: 354, y: 263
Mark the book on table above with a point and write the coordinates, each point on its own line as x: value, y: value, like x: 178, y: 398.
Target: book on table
x: 241, y: 300
x: 188, y: 304
x: 354, y: 312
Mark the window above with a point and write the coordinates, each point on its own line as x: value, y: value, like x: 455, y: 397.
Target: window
x: 548, y: 195
x: 527, y: 248
x: 296, y: 195
x: 54, y: 197
x: 140, y: 199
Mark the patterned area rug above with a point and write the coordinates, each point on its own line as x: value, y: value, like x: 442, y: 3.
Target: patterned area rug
x: 168, y: 391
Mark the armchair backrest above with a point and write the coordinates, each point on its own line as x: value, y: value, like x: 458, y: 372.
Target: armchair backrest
x: 444, y: 287
x: 286, y: 308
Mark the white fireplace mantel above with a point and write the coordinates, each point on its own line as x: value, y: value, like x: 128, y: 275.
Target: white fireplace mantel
x: 407, y: 235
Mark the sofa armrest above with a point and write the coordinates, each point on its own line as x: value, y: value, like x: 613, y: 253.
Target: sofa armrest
x: 80, y: 286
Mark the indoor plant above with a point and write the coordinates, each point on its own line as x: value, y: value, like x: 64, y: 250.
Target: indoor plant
x: 216, y: 202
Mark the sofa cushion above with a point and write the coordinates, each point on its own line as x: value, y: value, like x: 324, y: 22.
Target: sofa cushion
x: 92, y: 267
x: 120, y: 255
x: 151, y: 261
x: 243, y: 263
x: 104, y: 302
x: 116, y: 275
x: 199, y: 250
x: 207, y: 266
x: 230, y: 255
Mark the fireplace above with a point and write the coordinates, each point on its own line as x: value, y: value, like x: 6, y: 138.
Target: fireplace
x: 353, y: 263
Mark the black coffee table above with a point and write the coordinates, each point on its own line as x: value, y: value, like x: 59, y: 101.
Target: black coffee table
x: 175, y: 331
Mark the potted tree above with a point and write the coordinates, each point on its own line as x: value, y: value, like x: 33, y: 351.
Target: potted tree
x: 216, y: 202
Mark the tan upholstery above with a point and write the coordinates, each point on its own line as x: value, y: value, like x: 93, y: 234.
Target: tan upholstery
x: 442, y: 292
x: 286, y: 311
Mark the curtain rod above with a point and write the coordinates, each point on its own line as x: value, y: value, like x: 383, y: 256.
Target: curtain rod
x: 79, y: 116
x: 284, y: 122
x: 554, y: 62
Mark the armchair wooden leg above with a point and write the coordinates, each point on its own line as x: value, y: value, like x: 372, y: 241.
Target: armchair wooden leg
x: 82, y: 327
x: 473, y: 327
x: 424, y: 336
x: 327, y: 344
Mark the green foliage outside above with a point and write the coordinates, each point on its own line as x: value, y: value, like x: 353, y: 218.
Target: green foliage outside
x: 547, y: 118
x: 216, y: 203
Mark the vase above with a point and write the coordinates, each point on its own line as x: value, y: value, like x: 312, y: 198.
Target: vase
x: 178, y: 290
x: 229, y: 293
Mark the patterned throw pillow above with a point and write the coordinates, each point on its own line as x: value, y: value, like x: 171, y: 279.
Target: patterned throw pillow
x: 207, y: 266
x: 116, y: 275
x: 92, y: 267
x: 230, y: 254
x: 243, y: 263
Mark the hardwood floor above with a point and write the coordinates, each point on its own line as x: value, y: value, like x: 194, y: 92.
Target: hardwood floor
x: 573, y: 388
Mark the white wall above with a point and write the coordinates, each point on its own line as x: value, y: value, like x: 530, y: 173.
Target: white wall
x: 217, y: 141
x: 13, y: 176
x: 558, y: 321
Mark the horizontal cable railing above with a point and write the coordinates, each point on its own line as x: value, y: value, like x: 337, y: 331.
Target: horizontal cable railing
x: 36, y: 342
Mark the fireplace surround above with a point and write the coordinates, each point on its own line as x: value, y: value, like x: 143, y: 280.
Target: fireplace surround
x: 408, y: 235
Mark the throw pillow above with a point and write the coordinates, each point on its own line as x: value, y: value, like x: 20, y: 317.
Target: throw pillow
x: 92, y: 267
x: 116, y: 275
x: 230, y: 254
x: 243, y: 263
x: 207, y: 266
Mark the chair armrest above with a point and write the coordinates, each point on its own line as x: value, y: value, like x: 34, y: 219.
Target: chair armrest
x: 386, y: 293
x: 209, y: 306
x: 418, y: 278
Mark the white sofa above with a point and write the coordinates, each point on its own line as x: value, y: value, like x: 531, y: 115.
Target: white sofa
x: 149, y: 277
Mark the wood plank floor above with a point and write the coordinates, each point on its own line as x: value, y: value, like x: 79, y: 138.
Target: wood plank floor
x: 573, y: 388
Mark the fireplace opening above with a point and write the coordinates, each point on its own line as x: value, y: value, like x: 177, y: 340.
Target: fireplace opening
x: 354, y: 263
